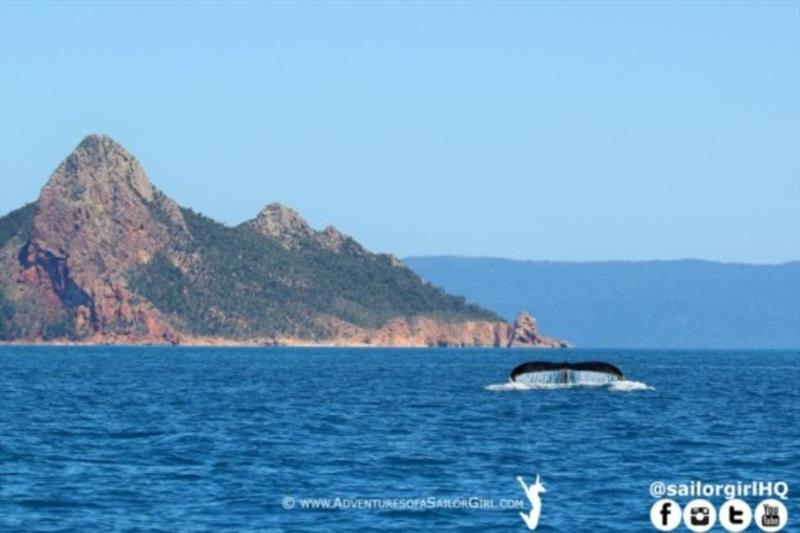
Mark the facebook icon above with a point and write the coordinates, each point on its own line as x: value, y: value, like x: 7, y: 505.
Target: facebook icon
x: 665, y: 514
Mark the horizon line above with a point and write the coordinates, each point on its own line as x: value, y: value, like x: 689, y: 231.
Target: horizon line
x: 595, y: 261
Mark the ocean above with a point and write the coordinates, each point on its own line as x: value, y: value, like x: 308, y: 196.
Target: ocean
x: 229, y: 439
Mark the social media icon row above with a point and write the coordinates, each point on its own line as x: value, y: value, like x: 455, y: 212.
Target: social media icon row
x: 734, y: 515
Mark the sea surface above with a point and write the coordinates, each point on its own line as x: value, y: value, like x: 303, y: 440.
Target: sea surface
x: 206, y: 439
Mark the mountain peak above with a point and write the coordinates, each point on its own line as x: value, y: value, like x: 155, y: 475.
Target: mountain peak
x: 100, y: 148
x: 332, y: 239
x: 277, y: 209
x: 98, y: 217
x: 99, y: 162
x: 100, y: 202
x: 283, y: 224
x: 99, y: 141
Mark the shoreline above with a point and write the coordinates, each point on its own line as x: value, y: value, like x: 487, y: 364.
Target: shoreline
x: 363, y: 346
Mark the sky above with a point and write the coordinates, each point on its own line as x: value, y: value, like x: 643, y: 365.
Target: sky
x: 562, y: 131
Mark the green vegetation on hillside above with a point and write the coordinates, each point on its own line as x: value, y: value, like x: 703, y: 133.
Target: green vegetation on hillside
x: 245, y: 284
x: 6, y: 317
x: 17, y: 223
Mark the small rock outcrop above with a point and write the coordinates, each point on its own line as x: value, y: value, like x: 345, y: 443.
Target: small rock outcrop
x: 525, y: 334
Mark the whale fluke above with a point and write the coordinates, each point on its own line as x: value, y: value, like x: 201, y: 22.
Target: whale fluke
x: 565, y: 369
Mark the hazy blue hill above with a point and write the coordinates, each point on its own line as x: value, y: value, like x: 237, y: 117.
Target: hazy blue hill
x: 658, y: 304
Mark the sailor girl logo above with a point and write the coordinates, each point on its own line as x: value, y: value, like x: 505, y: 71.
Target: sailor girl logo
x: 533, y: 491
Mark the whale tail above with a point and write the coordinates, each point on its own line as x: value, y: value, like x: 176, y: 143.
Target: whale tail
x: 545, y: 371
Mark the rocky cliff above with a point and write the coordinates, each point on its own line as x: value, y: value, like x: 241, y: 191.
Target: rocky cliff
x: 104, y: 256
x: 525, y: 334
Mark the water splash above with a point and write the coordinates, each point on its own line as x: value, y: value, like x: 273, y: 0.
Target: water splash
x: 559, y: 380
x: 628, y: 386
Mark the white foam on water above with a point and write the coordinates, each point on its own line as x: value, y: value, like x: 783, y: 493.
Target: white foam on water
x: 616, y: 385
x: 628, y: 386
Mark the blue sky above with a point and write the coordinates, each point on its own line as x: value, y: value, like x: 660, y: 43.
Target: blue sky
x: 569, y: 131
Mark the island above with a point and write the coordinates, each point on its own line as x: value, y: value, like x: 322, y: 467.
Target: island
x: 103, y: 256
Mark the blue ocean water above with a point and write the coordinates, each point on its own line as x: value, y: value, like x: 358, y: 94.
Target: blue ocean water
x: 183, y: 439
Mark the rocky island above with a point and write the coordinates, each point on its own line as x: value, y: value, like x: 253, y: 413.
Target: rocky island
x: 104, y: 257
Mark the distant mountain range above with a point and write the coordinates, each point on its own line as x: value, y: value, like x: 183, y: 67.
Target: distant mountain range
x: 641, y: 304
x: 103, y: 256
